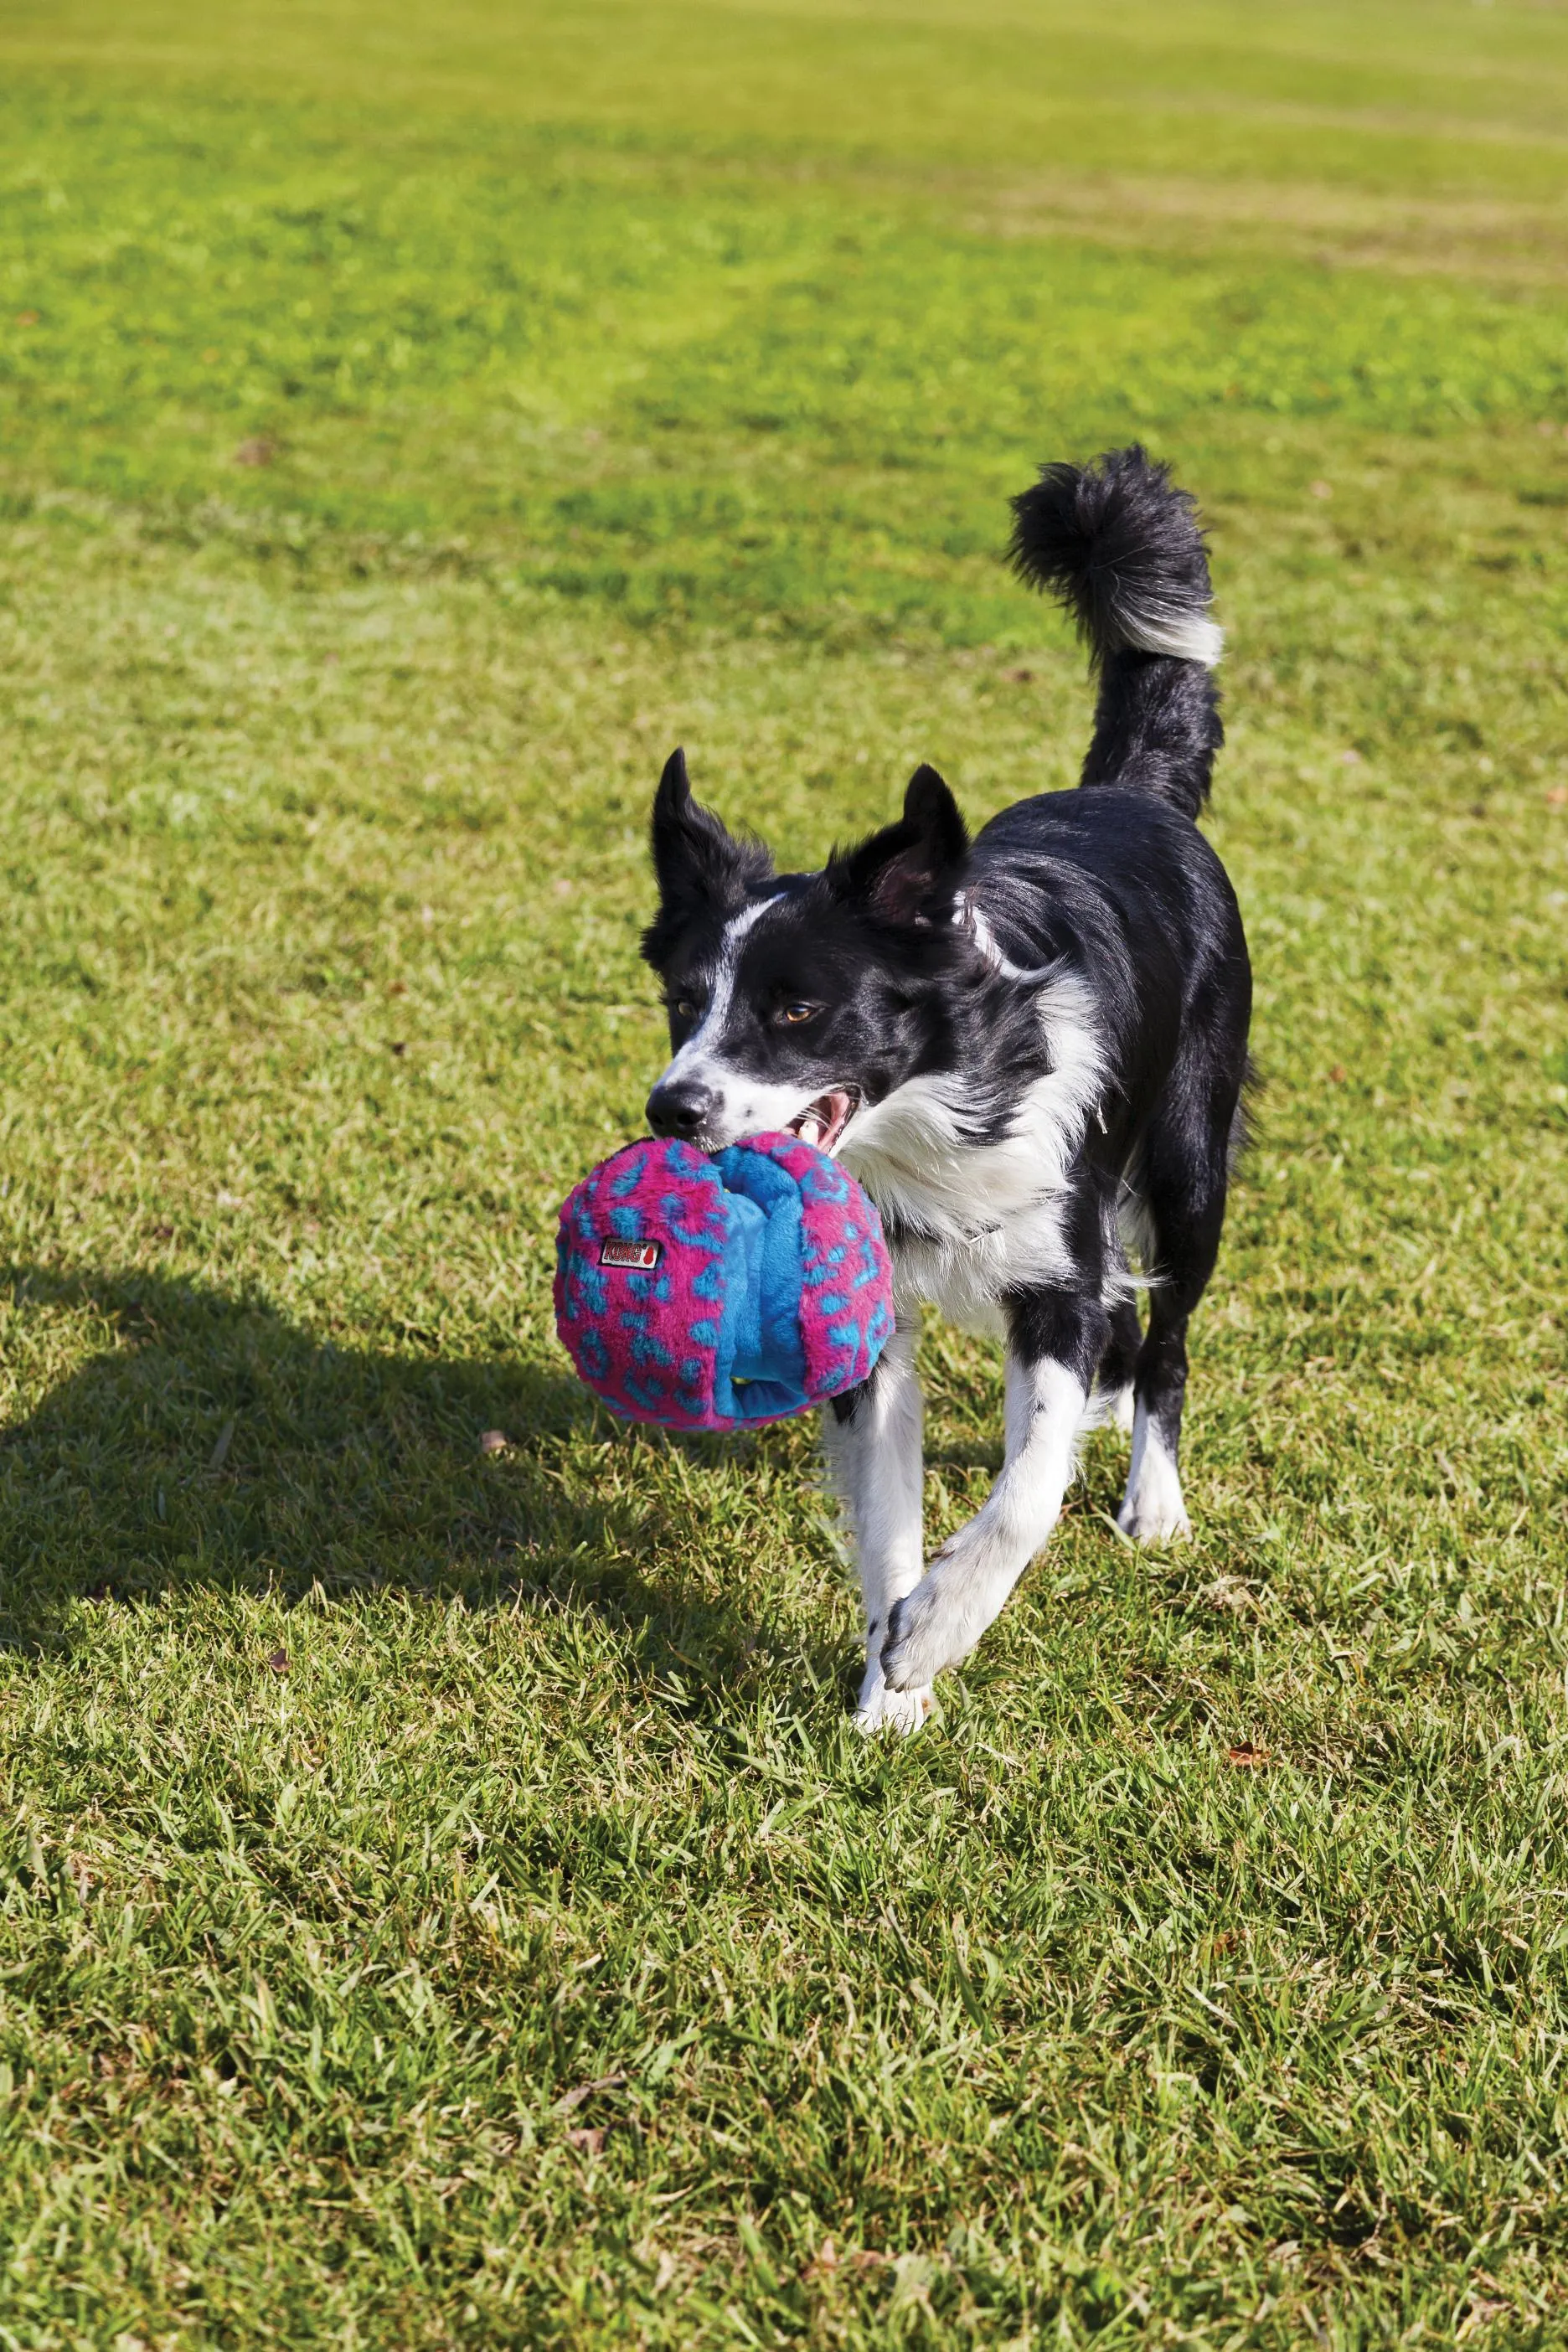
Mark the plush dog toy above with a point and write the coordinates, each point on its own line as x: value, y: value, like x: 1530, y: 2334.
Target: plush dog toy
x: 707, y: 1294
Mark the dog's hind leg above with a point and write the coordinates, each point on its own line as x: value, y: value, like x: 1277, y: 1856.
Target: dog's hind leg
x: 1056, y: 1339
x: 1113, y: 1380
x: 872, y: 1440
x: 1184, y: 1177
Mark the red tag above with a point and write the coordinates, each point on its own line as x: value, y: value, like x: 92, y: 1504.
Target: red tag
x: 638, y: 1258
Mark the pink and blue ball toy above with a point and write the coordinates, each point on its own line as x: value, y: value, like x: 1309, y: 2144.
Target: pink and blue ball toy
x: 712, y: 1293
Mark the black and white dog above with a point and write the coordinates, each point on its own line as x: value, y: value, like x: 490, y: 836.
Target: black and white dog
x: 1030, y: 1048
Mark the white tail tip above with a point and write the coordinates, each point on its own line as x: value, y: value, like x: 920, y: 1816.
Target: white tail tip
x: 1184, y: 636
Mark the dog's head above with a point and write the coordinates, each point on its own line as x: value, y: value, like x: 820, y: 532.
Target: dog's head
x: 797, y: 999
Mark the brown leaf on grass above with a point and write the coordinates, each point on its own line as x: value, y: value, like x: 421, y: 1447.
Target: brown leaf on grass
x: 572, y: 2099
x: 828, y: 2260
x: 1337, y: 1075
x: 1250, y: 1757
x: 400, y: 1047
x: 1323, y: 489
x: 495, y: 1440
x: 1230, y: 1593
x: 590, y: 2140
x: 1558, y: 796
x: 279, y: 1661
x: 1020, y: 676
x: 26, y: 317
x: 257, y: 451
x: 1481, y: 2310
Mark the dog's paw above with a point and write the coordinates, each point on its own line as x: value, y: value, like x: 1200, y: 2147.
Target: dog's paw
x: 927, y: 1630
x: 1152, y: 1510
x: 882, y: 1709
x: 1155, y: 1519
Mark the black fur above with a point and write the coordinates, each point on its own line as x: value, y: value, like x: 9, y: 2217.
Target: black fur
x: 701, y: 868
x: 904, y: 873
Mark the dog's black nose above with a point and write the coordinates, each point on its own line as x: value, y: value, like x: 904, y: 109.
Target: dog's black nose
x: 678, y: 1107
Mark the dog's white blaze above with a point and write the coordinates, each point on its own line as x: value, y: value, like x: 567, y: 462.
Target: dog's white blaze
x: 1152, y: 1510
x: 698, y: 1050
x: 742, y: 1105
x: 975, y: 1570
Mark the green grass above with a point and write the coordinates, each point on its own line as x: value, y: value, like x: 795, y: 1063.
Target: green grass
x: 440, y: 1903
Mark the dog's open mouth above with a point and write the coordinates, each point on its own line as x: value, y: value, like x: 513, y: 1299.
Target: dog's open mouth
x: 822, y: 1122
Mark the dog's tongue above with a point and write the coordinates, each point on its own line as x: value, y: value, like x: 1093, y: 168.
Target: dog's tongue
x: 824, y: 1122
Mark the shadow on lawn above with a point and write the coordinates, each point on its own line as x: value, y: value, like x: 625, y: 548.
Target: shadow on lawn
x: 215, y: 1444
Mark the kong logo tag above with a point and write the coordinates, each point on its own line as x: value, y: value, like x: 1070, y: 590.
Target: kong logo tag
x: 634, y: 1257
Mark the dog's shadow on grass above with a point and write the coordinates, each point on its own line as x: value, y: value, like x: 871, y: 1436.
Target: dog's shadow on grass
x: 211, y: 1442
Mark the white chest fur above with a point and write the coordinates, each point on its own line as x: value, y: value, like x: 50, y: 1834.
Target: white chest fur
x: 966, y: 1280
x: 977, y: 1220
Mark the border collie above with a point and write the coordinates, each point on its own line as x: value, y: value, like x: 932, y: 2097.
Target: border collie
x: 1029, y: 1047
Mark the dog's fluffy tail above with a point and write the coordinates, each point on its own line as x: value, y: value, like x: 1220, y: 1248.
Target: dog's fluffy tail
x: 1121, y: 549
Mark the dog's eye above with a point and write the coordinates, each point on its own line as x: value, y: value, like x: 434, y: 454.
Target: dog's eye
x: 685, y: 1009
x: 790, y: 1015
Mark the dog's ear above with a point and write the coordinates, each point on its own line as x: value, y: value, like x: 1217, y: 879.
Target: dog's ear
x: 699, y: 865
x: 903, y: 873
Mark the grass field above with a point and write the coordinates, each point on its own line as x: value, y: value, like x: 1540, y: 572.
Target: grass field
x: 442, y: 1904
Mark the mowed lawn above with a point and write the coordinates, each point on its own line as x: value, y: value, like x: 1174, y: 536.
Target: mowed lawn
x: 440, y: 1901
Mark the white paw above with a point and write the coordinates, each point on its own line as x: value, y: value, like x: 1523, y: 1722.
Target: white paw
x: 1122, y: 1411
x: 882, y: 1709
x: 1155, y: 1519
x: 1152, y: 1510
x: 927, y: 1630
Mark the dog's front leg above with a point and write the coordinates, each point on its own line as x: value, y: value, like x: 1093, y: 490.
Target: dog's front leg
x: 1054, y: 1344
x: 873, y: 1450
